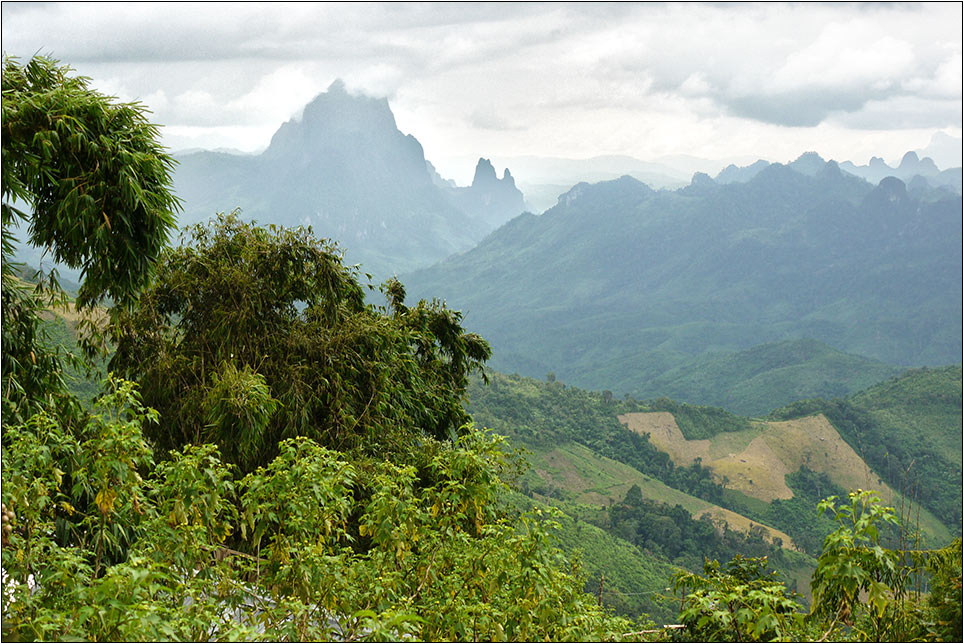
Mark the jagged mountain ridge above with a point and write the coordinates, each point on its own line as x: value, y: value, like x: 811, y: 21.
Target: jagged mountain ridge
x: 618, y: 273
x: 345, y: 169
x: 920, y: 174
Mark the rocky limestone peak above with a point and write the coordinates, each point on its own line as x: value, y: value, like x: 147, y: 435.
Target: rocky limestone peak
x: 831, y: 169
x: 910, y: 161
x: 484, y: 173
x: 702, y: 179
x: 808, y: 163
x: 507, y: 178
x: 892, y: 189
x: 333, y: 115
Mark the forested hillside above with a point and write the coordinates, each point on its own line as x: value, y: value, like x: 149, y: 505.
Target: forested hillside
x: 909, y: 430
x: 618, y: 285
x: 792, y: 473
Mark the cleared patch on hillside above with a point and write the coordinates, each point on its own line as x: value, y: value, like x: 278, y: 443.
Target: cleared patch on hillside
x: 591, y: 479
x: 756, y: 461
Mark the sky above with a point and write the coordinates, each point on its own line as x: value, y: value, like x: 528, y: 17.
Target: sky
x: 572, y: 80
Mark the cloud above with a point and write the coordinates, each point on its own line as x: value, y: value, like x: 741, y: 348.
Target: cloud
x: 484, y: 75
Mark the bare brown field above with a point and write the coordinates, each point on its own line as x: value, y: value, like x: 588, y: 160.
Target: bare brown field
x: 759, y: 459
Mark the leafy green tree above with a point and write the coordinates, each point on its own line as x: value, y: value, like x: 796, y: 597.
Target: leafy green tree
x: 334, y: 540
x: 871, y: 593
x: 738, y: 602
x: 853, y: 562
x: 87, y: 178
x: 251, y: 335
x: 944, y: 600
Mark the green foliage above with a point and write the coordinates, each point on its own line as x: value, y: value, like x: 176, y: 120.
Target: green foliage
x: 733, y: 270
x: 540, y: 413
x: 853, y: 560
x: 93, y: 174
x: 739, y: 602
x: 252, y: 335
x: 944, y: 599
x: 334, y: 553
x: 633, y: 582
x: 795, y: 515
x: 753, y: 381
x: 672, y: 532
x: 697, y: 422
x: 91, y: 183
x: 239, y: 407
x: 876, y: 591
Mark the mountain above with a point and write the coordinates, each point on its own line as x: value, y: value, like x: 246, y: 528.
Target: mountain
x: 757, y: 481
x: 617, y: 274
x: 911, y: 168
x: 543, y: 179
x: 921, y: 175
x: 489, y: 199
x: 345, y: 169
x: 944, y: 149
x: 734, y: 174
x: 908, y: 429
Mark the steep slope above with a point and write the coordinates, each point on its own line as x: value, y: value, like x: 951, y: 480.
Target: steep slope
x: 618, y: 273
x: 345, y: 169
x: 756, y: 461
x: 908, y: 429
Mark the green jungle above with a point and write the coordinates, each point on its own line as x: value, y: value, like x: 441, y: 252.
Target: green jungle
x: 233, y: 435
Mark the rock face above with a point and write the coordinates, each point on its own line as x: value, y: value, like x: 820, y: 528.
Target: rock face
x: 345, y: 169
x: 490, y: 199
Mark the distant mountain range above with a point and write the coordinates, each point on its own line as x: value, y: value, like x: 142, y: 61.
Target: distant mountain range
x: 345, y: 169
x: 920, y: 174
x: 619, y: 284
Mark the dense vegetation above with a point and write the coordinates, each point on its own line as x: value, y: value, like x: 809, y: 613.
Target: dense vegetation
x: 755, y: 380
x: 385, y: 522
x: 293, y: 463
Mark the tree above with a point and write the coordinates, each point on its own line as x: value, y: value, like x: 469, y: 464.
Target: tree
x: 739, y: 602
x: 89, y: 180
x: 866, y: 587
x: 251, y: 335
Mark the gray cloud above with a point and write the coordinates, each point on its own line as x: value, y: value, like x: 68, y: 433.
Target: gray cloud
x: 531, y: 73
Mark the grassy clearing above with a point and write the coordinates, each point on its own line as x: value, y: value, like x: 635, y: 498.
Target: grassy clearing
x: 755, y: 462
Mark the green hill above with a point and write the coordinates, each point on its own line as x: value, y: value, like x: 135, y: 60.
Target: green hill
x: 587, y: 449
x: 624, y: 288
x: 754, y: 381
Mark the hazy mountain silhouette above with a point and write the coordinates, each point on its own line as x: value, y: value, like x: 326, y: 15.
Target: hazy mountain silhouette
x: 345, y: 169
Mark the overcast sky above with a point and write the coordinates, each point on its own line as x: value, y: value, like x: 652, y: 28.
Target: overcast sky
x: 570, y: 80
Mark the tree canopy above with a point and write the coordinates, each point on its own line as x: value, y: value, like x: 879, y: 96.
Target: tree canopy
x: 87, y: 178
x: 356, y: 502
x: 251, y: 335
